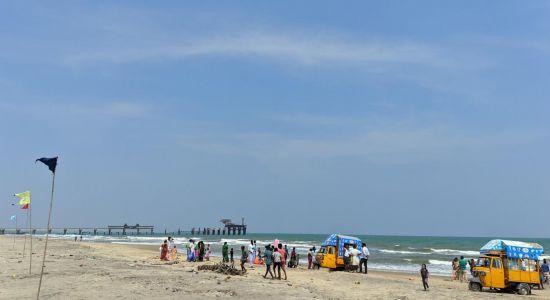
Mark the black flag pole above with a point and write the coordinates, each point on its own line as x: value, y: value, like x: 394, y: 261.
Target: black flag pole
x: 52, y: 164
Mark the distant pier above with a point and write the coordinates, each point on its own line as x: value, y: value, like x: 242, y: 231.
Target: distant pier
x: 229, y: 229
x: 109, y: 230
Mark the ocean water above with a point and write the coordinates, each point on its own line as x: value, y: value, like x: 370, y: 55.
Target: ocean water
x: 388, y: 253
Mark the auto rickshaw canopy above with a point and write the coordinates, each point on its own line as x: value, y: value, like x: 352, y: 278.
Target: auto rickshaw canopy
x: 514, y: 249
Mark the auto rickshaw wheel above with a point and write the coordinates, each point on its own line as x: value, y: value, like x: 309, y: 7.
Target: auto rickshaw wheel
x: 475, y: 286
x: 524, y: 289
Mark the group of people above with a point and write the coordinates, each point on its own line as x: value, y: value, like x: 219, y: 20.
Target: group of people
x: 355, y: 259
x: 195, y: 252
x: 168, y: 246
x: 198, y: 252
x: 460, y: 268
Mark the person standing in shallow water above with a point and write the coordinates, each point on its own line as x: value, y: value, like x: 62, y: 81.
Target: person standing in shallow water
x: 424, y: 273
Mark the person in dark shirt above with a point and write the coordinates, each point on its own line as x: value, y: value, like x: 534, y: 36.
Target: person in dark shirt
x: 244, y: 256
x: 231, y: 257
x: 424, y: 273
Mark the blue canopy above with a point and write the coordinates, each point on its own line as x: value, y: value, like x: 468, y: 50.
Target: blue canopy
x: 332, y: 240
x: 514, y: 249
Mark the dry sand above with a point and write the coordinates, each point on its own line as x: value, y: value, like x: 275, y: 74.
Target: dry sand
x: 85, y: 270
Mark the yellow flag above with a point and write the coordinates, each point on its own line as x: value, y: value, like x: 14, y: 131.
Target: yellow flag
x: 24, y: 198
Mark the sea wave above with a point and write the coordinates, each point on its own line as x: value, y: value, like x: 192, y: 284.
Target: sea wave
x: 439, y: 262
x: 401, y: 252
x: 454, y: 252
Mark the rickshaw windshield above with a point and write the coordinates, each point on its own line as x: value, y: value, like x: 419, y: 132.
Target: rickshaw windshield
x: 323, y: 250
x: 483, y: 262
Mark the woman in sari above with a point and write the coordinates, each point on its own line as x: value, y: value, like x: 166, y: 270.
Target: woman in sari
x: 164, y: 250
x: 201, y: 251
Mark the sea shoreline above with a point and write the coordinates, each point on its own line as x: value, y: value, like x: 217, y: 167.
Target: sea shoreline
x: 86, y: 270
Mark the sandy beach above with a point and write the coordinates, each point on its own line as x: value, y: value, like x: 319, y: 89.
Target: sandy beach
x: 85, y: 270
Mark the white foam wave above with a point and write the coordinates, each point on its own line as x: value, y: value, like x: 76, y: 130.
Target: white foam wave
x: 402, y: 252
x: 454, y: 252
x: 439, y: 262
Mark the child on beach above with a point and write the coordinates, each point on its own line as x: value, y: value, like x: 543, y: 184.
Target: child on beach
x: 208, y: 252
x: 174, y: 253
x: 244, y: 256
x: 424, y: 273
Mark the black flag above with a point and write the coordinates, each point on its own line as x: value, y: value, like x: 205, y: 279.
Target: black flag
x: 50, y: 162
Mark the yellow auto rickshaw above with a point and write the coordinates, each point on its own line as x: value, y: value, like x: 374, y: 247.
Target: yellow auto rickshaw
x: 331, y: 254
x: 508, y: 266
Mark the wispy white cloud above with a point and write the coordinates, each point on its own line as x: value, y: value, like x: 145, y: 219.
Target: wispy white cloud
x: 117, y: 109
x: 380, y: 145
x: 305, y: 49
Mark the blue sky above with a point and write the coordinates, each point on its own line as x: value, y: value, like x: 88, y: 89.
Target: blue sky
x: 388, y: 117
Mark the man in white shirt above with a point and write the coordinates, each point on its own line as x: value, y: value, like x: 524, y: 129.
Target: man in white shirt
x: 354, y: 257
x: 251, y: 252
x: 364, y: 258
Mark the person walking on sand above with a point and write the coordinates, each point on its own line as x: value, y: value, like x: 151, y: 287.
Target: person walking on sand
x: 283, y: 259
x: 424, y: 273
x: 455, y: 267
x: 268, y: 259
x: 277, y: 256
x: 243, y: 258
x: 463, y: 264
x: 225, y: 250
x: 364, y: 258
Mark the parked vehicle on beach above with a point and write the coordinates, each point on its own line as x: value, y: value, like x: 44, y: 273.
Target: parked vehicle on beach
x: 331, y: 254
x: 508, y: 266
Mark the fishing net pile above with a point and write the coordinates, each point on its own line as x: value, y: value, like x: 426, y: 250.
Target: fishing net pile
x: 221, y: 268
